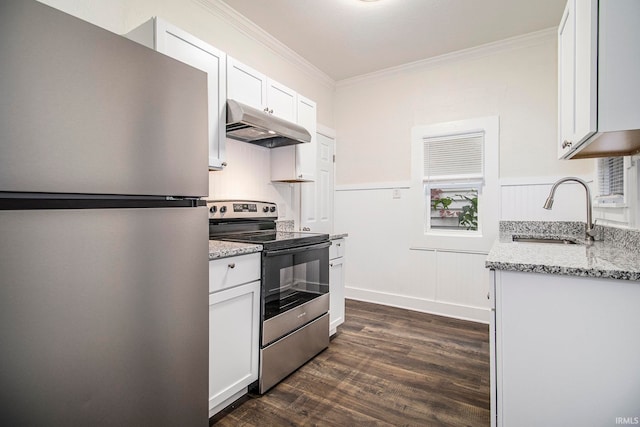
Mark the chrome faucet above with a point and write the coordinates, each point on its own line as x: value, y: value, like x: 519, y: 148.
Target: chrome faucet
x: 590, y: 232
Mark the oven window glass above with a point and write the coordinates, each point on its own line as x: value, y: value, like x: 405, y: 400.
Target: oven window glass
x: 293, y: 279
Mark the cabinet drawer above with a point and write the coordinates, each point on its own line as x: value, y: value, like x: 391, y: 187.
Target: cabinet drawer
x: 337, y: 249
x: 233, y: 271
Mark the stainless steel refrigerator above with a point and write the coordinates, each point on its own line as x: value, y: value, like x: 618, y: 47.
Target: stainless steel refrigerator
x: 103, y: 236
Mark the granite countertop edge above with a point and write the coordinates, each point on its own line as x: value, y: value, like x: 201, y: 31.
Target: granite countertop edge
x: 604, y: 258
x: 221, y: 249
x: 564, y: 271
x: 336, y: 236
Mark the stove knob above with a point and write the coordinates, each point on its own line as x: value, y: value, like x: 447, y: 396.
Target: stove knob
x: 213, y: 209
x: 265, y: 209
x: 272, y: 209
x: 223, y: 209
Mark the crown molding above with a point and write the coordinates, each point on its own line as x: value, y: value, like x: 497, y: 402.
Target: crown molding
x: 253, y: 31
x: 518, y: 42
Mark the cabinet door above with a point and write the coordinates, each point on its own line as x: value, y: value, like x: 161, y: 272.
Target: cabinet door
x: 234, y: 316
x: 297, y: 163
x: 567, y: 349
x: 577, y: 74
x: 566, y: 73
x: 246, y: 85
x: 316, y: 206
x: 306, y: 153
x: 282, y: 101
x: 184, y: 47
x: 336, y: 294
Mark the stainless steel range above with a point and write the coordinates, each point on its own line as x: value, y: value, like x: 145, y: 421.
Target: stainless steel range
x: 294, y: 285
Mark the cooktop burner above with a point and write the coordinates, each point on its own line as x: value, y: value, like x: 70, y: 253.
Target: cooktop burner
x: 254, y: 222
x: 273, y: 240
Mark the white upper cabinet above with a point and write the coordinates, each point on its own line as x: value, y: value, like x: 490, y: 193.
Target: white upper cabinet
x: 250, y: 87
x: 246, y: 85
x: 178, y: 44
x: 598, y: 88
x: 294, y: 163
x: 297, y: 163
x: 577, y: 74
x: 282, y: 101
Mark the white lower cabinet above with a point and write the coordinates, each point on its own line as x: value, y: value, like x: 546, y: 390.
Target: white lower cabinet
x: 566, y: 350
x: 234, y: 316
x: 336, y: 284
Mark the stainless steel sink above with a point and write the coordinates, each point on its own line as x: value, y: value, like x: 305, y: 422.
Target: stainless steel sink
x: 543, y: 240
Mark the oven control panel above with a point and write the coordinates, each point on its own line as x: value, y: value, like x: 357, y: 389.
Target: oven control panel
x: 238, y: 209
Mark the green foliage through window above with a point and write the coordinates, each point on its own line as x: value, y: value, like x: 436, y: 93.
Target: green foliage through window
x: 454, y: 209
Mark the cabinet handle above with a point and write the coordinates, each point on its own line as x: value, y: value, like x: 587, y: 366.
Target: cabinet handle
x: 337, y: 244
x: 567, y: 144
x: 266, y: 109
x: 330, y: 264
x: 232, y: 265
x: 300, y: 176
x: 488, y: 295
x: 271, y: 111
x: 306, y: 229
x: 224, y: 164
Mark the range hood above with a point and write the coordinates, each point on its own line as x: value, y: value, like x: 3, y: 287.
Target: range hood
x: 249, y: 124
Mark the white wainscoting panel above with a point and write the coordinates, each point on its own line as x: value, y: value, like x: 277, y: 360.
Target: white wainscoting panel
x: 522, y: 200
x: 462, y: 279
x: 381, y: 268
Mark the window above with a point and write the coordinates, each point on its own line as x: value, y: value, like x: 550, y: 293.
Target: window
x: 611, y: 181
x: 453, y: 177
x: 455, y: 195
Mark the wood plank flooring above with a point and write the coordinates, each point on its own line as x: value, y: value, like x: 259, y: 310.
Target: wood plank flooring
x: 386, y: 366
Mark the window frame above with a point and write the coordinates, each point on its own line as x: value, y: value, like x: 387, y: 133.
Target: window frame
x: 464, y: 176
x: 602, y: 201
x: 422, y: 237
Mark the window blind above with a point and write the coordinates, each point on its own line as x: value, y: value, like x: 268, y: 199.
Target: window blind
x: 454, y: 157
x: 610, y: 177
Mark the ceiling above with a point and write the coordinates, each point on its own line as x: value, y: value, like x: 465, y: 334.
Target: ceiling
x: 347, y: 38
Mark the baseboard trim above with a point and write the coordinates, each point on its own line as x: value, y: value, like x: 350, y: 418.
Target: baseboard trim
x: 474, y: 314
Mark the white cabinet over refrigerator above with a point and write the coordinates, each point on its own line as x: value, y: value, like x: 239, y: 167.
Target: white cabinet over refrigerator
x: 165, y: 38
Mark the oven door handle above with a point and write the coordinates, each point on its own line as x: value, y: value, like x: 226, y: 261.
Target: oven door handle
x: 298, y: 249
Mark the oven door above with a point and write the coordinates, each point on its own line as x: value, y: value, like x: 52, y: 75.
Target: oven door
x: 295, y: 279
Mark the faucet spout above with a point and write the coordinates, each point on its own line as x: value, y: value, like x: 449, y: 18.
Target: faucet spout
x: 590, y: 232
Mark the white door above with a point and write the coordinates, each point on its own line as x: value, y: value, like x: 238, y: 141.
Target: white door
x: 316, y: 199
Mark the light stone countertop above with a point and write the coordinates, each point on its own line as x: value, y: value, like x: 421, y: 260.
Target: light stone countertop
x: 615, y: 256
x: 335, y: 236
x: 222, y: 249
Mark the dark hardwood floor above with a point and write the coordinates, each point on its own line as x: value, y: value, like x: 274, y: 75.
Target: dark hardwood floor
x: 386, y: 366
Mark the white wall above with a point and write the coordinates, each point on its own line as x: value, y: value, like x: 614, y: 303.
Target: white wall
x: 247, y: 176
x: 103, y: 13
x: 515, y: 80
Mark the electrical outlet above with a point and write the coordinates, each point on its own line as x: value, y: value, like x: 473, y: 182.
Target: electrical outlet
x: 396, y: 193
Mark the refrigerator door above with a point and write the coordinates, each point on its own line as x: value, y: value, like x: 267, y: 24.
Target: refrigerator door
x: 104, y: 317
x: 87, y: 111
